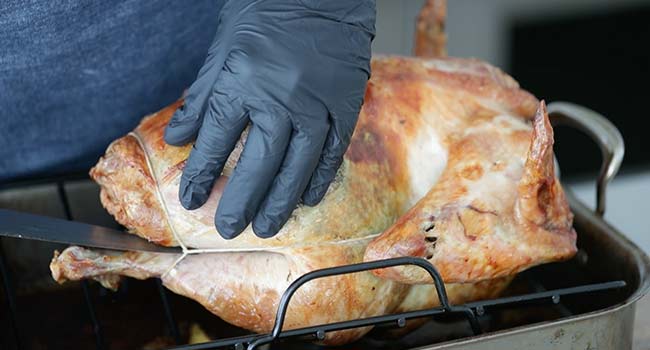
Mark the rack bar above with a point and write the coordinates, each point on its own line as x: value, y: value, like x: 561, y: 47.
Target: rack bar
x: 11, y: 298
x: 469, y: 310
x: 97, y: 329
x: 552, y: 295
x: 537, y: 286
x: 169, y: 316
x: 341, y: 270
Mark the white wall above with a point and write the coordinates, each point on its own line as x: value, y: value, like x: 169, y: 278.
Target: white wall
x: 395, y: 26
x: 476, y: 28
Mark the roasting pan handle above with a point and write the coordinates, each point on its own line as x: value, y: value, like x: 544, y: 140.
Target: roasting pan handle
x: 603, y: 132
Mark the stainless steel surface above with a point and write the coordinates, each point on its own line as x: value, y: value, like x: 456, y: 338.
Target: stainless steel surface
x: 642, y: 324
x: 611, y: 332
x: 42, y: 228
x: 603, y: 132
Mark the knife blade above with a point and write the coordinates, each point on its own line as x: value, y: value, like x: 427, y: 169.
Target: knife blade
x: 42, y: 228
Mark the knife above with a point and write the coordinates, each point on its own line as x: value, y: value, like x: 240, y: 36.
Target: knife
x: 42, y: 228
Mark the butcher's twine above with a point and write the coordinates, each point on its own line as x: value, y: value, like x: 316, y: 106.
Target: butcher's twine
x: 186, y: 251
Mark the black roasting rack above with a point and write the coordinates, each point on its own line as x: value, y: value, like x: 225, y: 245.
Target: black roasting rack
x: 471, y: 312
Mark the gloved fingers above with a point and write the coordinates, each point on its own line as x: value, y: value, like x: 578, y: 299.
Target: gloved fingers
x: 338, y: 139
x: 299, y: 163
x: 186, y: 121
x: 259, y: 163
x: 222, y: 126
x: 183, y: 127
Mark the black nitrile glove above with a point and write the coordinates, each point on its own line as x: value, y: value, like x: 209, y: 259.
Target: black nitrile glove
x: 297, y: 71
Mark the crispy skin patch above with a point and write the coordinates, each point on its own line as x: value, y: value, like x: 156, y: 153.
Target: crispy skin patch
x: 167, y: 161
x: 154, y: 127
x: 128, y: 191
x: 468, y: 75
x: 472, y: 172
x: 477, y: 223
x: 385, y: 128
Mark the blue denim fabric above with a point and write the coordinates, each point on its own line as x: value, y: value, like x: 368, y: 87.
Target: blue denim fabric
x: 76, y: 74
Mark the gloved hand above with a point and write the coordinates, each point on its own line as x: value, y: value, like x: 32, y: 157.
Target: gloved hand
x: 296, y: 70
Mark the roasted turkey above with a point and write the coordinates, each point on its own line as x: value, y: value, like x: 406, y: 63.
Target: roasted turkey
x: 451, y: 161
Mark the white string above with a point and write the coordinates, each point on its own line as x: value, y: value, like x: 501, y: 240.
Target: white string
x: 185, y: 250
x: 164, y: 205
